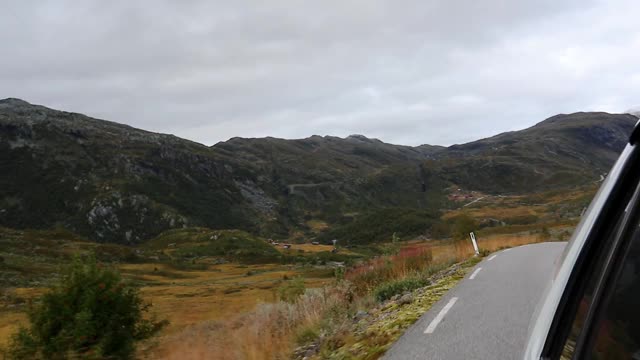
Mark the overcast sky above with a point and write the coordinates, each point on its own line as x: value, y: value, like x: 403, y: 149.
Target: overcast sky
x: 406, y: 72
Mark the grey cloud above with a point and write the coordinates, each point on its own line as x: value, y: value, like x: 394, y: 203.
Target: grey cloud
x: 407, y: 72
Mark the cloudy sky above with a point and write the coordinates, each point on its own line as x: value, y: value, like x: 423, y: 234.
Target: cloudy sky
x: 407, y: 72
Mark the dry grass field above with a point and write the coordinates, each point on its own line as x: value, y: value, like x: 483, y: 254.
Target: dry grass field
x: 306, y: 248
x: 187, y: 297
x: 193, y: 300
x: 270, y: 330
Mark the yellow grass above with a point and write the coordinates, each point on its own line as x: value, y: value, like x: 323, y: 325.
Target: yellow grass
x: 498, y: 212
x: 463, y: 248
x: 214, y: 293
x: 311, y: 248
x: 495, y: 242
x: 12, y: 317
x: 505, y: 207
x: 9, y: 323
x: 317, y: 225
x: 266, y: 333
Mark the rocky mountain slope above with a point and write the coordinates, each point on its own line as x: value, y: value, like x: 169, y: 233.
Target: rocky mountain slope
x: 114, y: 183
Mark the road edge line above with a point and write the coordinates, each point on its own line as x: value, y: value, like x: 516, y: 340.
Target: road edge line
x: 475, y: 273
x: 434, y: 323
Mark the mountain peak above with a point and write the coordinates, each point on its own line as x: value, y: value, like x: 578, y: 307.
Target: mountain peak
x: 360, y: 138
x: 13, y: 102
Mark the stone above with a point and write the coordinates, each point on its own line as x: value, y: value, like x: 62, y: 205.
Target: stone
x: 360, y: 315
x: 405, y: 299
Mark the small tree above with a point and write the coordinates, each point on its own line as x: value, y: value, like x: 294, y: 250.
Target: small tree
x: 462, y: 226
x: 339, y: 273
x: 90, y: 313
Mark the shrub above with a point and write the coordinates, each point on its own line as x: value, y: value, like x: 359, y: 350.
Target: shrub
x: 291, y: 290
x: 462, y: 226
x: 391, y: 288
x: 90, y: 313
x: 409, y: 261
x: 307, y: 335
x: 484, y: 252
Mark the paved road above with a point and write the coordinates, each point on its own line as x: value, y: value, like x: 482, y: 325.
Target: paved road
x: 487, y: 315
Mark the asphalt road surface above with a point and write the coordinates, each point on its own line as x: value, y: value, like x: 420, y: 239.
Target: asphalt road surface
x: 487, y: 315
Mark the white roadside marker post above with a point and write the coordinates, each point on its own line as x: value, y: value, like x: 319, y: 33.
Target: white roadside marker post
x: 475, y: 244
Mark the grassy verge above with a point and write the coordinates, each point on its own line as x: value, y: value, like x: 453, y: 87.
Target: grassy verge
x: 368, y: 334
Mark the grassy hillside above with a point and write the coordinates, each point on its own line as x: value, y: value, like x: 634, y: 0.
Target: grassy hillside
x: 380, y: 226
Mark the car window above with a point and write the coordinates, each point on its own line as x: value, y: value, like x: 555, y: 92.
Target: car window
x: 585, y: 301
x: 610, y: 328
x: 617, y: 331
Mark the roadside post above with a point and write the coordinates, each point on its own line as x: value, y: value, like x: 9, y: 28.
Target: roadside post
x: 474, y: 242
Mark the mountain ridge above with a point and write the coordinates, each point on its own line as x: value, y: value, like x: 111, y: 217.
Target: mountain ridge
x: 115, y: 183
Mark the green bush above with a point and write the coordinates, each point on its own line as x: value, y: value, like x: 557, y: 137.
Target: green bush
x: 291, y: 290
x: 307, y: 335
x: 462, y: 226
x: 380, y: 225
x: 91, y: 313
x: 389, y: 289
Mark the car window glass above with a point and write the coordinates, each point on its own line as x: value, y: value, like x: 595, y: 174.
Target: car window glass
x: 617, y: 331
x: 585, y: 301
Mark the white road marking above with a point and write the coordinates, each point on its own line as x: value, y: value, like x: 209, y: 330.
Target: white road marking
x: 475, y: 273
x: 491, y: 258
x: 505, y: 250
x: 434, y: 323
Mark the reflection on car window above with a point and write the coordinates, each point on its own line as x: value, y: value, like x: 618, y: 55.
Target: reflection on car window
x: 617, y: 332
x: 585, y: 302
